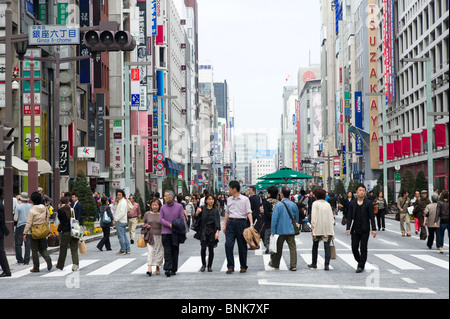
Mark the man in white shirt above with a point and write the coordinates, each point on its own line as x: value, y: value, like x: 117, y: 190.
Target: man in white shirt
x: 120, y: 217
x: 236, y: 215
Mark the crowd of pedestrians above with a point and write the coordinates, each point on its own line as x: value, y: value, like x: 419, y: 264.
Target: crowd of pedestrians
x: 274, y: 219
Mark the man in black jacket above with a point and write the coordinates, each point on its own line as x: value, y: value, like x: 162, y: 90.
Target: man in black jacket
x: 3, y: 233
x: 360, y: 218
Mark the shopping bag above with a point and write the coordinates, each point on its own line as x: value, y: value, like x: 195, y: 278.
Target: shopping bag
x: 273, y: 243
x: 82, y: 247
x: 332, y: 250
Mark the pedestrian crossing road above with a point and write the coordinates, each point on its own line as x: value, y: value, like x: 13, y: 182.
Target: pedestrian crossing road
x: 403, y: 268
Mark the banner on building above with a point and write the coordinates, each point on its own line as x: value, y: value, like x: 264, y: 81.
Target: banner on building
x: 439, y: 135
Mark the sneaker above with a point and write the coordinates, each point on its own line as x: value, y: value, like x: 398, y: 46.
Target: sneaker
x: 293, y: 269
x: 120, y: 253
x: 271, y: 265
x: 312, y: 266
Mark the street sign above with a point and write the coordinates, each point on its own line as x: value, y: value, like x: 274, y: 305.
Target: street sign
x: 160, y: 157
x: 53, y: 34
x: 159, y: 166
x: 199, y: 176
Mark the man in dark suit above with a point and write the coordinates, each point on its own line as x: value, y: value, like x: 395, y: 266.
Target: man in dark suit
x: 3, y: 233
x: 360, y: 218
x: 255, y: 204
x: 77, y: 207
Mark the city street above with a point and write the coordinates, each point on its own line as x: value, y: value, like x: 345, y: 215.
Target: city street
x: 397, y: 268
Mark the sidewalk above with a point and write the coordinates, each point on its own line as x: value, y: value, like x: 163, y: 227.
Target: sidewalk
x: 87, y: 239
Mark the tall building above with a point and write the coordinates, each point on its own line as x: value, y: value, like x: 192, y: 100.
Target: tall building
x: 245, y: 146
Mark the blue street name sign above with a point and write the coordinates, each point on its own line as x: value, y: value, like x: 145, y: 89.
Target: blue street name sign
x: 53, y: 34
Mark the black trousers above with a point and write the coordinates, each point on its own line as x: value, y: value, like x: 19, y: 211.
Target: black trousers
x: 210, y: 247
x: 170, y: 253
x: 105, y: 240
x: 359, y: 247
x: 3, y: 260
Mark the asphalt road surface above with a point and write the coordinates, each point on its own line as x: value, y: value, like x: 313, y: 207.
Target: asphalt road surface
x: 397, y: 267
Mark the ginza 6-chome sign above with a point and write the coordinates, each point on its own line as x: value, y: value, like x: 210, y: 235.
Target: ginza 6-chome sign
x: 372, y: 24
x: 53, y: 34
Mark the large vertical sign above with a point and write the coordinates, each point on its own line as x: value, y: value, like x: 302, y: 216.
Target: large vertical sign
x: 85, y: 65
x: 388, y: 36
x: 64, y: 158
x: 299, y: 149
x: 100, y: 140
x: 372, y: 21
x: 358, y: 122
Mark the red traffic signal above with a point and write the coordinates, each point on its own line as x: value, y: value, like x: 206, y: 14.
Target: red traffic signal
x: 107, y: 40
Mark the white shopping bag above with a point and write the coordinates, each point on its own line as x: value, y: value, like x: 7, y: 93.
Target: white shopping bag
x: 273, y: 243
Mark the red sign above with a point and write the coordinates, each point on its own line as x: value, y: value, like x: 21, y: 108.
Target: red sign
x: 160, y: 157
x: 159, y: 166
x: 27, y: 109
x: 134, y: 74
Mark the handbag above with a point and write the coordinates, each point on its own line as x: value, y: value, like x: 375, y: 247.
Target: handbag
x: 141, y: 242
x: 75, y: 228
x: 53, y: 240
x: 294, y: 223
x: 333, y: 251
x: 106, y: 218
x: 40, y: 231
x: 82, y: 247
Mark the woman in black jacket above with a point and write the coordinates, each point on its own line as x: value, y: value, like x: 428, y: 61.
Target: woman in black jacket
x: 64, y: 215
x: 105, y: 224
x: 209, y: 219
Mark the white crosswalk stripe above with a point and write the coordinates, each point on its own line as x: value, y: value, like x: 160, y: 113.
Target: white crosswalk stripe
x: 433, y: 260
x: 398, y: 262
x: 111, y: 267
x: 98, y: 267
x: 68, y: 269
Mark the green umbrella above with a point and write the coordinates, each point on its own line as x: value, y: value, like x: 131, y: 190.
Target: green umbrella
x: 286, y: 174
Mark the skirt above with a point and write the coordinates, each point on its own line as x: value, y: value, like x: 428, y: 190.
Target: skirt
x: 155, y: 252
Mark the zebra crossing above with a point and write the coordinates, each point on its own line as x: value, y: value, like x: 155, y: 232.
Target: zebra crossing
x: 257, y: 261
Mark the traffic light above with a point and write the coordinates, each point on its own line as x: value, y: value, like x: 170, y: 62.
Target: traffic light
x: 108, y: 40
x: 7, y: 138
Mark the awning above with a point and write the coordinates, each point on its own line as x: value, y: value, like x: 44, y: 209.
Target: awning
x: 44, y: 167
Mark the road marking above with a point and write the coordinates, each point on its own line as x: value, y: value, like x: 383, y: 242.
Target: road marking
x: 236, y: 264
x: 388, y: 242
x: 193, y: 264
x: 68, y: 269
x: 398, y: 262
x: 111, y: 267
x: 308, y: 259
x: 433, y: 260
x: 265, y: 282
x: 27, y: 271
x: 349, y: 259
x: 409, y: 281
x: 266, y: 259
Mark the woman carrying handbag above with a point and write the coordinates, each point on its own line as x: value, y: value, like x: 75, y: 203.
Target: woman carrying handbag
x: 64, y: 228
x: 106, y: 222
x: 322, y: 222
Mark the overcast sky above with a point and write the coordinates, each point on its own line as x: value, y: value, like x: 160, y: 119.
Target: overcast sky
x: 255, y: 45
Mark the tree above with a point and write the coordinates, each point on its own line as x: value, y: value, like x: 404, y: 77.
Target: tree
x: 421, y: 182
x: 138, y: 198
x: 408, y: 183
x: 339, y: 188
x: 82, y: 188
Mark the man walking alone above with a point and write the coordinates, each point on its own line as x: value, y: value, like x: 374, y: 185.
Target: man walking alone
x: 360, y: 218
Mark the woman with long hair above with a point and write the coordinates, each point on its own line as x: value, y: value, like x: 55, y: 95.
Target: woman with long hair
x: 209, y: 229
x: 64, y: 215
x: 381, y: 202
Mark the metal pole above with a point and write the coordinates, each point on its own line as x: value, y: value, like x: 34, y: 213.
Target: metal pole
x: 8, y: 170
x: 430, y: 120
x: 32, y: 162
x: 385, y: 177
x: 56, y: 171
x: 127, y: 130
